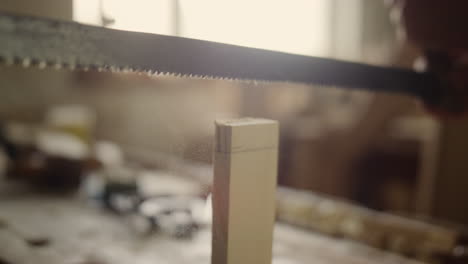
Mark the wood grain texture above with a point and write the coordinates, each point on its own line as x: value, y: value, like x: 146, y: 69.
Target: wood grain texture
x: 245, y: 172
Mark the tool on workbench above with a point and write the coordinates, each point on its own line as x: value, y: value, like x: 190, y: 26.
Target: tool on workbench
x: 48, y: 155
x: 414, y: 237
x: 43, y: 43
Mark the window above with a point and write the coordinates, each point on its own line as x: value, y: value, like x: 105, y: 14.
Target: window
x: 296, y: 26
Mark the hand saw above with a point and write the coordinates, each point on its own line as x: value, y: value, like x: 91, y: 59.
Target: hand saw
x: 44, y: 42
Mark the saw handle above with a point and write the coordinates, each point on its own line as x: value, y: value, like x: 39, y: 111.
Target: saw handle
x: 450, y: 97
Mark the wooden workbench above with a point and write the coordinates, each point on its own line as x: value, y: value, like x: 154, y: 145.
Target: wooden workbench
x: 81, y: 234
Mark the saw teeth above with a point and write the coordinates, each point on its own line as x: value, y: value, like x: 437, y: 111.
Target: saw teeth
x: 57, y: 64
x: 149, y: 73
x: 41, y: 65
x: 207, y: 77
x: 26, y: 62
x: 99, y: 67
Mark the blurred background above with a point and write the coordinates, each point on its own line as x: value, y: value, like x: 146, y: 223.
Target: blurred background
x: 378, y: 152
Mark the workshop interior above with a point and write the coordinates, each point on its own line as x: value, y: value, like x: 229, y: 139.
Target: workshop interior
x: 113, y: 147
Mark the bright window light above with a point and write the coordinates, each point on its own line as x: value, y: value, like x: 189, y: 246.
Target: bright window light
x: 295, y: 26
x: 151, y: 16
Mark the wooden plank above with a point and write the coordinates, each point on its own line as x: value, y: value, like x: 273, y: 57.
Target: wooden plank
x: 245, y: 171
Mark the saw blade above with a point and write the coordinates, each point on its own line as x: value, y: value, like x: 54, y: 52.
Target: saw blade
x: 45, y: 42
